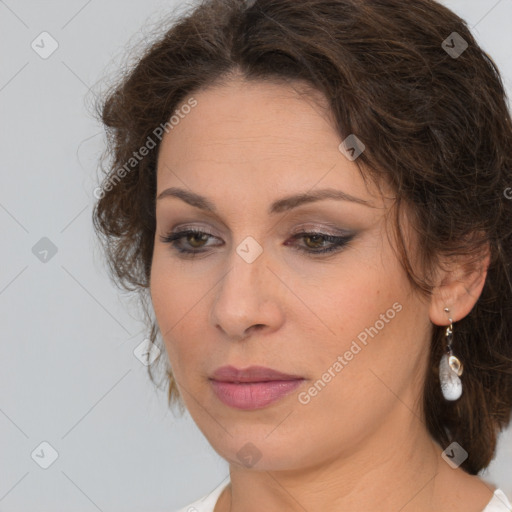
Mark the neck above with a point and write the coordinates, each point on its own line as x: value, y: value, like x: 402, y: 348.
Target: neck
x: 398, y: 467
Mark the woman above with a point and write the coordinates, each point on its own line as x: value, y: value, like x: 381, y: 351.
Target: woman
x: 313, y: 194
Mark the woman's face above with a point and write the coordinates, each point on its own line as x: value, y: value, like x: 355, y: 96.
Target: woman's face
x: 259, y: 293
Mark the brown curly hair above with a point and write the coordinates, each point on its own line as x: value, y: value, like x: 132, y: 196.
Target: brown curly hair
x: 436, y: 127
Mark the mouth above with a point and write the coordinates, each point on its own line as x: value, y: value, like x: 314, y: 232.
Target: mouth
x: 251, y: 374
x: 252, y: 388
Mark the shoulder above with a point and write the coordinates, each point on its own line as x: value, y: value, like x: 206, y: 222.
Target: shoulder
x: 459, y: 491
x: 499, y: 503
x: 207, y: 502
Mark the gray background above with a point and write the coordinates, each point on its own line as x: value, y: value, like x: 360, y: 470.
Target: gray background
x: 69, y: 375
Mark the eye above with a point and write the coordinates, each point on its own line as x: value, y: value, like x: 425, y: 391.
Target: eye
x: 321, y: 243
x: 194, y: 237
x: 315, y: 242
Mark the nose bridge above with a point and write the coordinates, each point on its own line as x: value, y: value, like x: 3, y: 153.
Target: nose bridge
x: 245, y: 282
x: 246, y: 295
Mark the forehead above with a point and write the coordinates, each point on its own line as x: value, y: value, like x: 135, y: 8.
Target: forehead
x: 253, y: 113
x: 260, y: 134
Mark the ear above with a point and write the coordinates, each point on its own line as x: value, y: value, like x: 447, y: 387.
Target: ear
x: 460, y: 284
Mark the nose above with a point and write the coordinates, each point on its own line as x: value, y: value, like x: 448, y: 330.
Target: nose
x: 247, y: 299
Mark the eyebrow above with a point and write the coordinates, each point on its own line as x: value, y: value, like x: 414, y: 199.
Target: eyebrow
x: 279, y: 206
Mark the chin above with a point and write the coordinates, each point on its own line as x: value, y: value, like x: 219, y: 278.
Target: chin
x: 253, y: 448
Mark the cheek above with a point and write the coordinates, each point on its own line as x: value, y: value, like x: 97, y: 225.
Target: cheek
x: 356, y: 296
x: 179, y: 311
x: 375, y: 354
x: 163, y: 293
x: 170, y: 299
x: 366, y: 309
x: 172, y: 292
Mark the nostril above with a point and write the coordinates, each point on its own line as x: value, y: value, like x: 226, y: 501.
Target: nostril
x: 255, y: 327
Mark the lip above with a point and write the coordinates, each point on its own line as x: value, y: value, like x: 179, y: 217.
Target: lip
x: 252, y: 388
x: 253, y: 395
x: 251, y: 374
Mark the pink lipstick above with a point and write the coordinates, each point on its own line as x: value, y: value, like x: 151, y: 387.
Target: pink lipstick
x: 252, y: 388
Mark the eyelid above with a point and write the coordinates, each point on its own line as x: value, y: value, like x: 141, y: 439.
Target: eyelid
x: 186, y: 227
x: 328, y: 229
x: 303, y: 228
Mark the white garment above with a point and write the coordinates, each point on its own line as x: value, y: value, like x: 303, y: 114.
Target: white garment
x: 498, y: 503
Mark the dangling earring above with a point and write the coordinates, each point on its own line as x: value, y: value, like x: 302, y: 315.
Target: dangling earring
x: 450, y: 368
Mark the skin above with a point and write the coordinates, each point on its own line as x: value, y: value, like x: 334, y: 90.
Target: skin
x: 361, y: 443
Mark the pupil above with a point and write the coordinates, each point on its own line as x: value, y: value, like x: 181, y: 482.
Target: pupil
x: 194, y: 236
x: 315, y: 238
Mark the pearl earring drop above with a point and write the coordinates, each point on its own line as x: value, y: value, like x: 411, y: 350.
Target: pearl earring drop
x: 450, y: 368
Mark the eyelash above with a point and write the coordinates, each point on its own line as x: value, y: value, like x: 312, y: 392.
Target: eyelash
x: 339, y: 242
